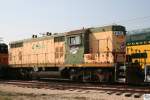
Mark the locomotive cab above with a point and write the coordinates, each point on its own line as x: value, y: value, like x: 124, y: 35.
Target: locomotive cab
x: 76, y: 46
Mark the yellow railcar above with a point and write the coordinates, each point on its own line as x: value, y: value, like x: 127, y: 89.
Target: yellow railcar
x: 138, y: 50
x: 138, y: 46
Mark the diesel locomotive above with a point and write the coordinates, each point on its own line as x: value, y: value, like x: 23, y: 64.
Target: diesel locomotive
x: 88, y: 54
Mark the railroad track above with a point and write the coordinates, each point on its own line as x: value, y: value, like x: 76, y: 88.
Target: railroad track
x: 137, y: 91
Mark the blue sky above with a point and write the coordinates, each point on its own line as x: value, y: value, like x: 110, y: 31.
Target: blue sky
x: 19, y: 19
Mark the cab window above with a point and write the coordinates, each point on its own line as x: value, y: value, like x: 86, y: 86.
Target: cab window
x: 74, y: 40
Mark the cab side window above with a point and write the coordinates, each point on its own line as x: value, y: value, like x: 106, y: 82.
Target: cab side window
x: 74, y: 40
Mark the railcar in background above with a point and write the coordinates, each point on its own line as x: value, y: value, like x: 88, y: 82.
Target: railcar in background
x: 3, y: 58
x: 138, y: 51
x: 91, y: 54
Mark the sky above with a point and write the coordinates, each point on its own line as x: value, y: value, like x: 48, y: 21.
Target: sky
x: 19, y: 19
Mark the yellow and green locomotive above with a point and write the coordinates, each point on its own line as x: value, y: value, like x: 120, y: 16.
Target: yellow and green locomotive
x: 88, y: 54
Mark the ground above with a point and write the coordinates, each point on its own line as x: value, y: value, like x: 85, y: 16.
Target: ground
x: 12, y: 92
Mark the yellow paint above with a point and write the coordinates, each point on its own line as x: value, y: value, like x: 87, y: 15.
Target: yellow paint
x: 61, y: 65
x: 140, y: 49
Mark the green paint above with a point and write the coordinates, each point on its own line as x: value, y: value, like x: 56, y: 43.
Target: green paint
x: 38, y: 46
x: 139, y: 55
x: 75, y: 58
x: 74, y: 53
x: 138, y: 39
x: 107, y: 28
